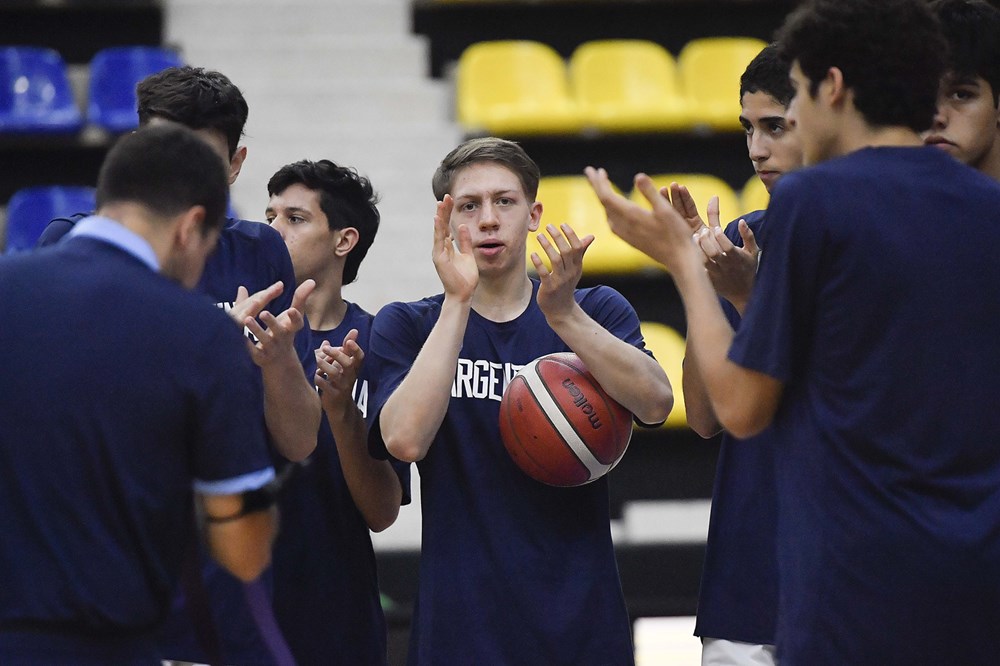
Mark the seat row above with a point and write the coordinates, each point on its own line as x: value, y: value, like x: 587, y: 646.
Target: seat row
x: 570, y: 199
x: 524, y: 87
x: 36, y: 96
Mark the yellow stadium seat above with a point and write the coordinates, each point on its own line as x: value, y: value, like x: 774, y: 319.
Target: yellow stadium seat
x: 754, y: 195
x: 571, y: 200
x: 628, y: 85
x: 515, y: 87
x: 668, y: 346
x: 702, y: 187
x: 710, y: 69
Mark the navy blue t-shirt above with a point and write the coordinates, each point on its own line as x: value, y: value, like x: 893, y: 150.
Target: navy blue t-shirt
x: 326, y: 596
x: 252, y: 255
x: 512, y: 571
x: 876, y: 304
x: 120, y: 388
x: 738, y: 600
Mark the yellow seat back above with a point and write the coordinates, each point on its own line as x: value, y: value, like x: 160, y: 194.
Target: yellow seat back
x: 710, y: 69
x: 628, y: 85
x: 754, y: 196
x: 514, y: 87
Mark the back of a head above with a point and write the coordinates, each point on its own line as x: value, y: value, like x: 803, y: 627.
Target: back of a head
x: 768, y: 73
x: 490, y: 150
x: 194, y: 97
x: 345, y: 197
x: 972, y: 29
x: 168, y: 169
x: 891, y: 54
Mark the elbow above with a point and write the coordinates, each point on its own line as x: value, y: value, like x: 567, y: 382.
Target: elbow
x: 704, y: 428
x: 383, y: 519
x: 249, y: 569
x: 743, y: 424
x: 657, y: 406
x: 403, y: 449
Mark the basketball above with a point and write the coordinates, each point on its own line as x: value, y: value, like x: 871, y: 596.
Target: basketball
x: 558, y: 424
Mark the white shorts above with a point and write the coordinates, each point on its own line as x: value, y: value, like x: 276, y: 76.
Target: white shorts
x: 720, y: 652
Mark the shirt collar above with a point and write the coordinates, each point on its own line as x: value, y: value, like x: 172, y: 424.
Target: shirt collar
x: 109, y: 231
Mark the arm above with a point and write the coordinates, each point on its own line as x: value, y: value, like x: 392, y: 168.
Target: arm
x: 744, y: 400
x: 628, y: 374
x: 242, y: 545
x: 291, y: 408
x: 412, y: 415
x: 373, y: 484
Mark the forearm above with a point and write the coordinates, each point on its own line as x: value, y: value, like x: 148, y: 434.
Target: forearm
x: 241, y: 546
x: 744, y: 401
x: 628, y: 374
x: 700, y: 415
x: 373, y: 484
x: 412, y: 415
x: 291, y: 408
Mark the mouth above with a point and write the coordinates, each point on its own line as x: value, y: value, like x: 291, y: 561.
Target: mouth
x: 768, y: 175
x: 938, y: 141
x: 490, y: 247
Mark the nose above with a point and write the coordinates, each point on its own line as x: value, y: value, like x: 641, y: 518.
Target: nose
x: 488, y: 217
x: 278, y: 225
x: 758, y: 147
x: 940, y: 118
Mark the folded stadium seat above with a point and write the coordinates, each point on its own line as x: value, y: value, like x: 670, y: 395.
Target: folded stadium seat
x: 515, y: 87
x: 753, y: 196
x: 31, y: 209
x: 702, y: 187
x: 571, y: 200
x: 35, y: 93
x: 710, y: 69
x: 668, y: 346
x: 114, y: 74
x: 628, y: 85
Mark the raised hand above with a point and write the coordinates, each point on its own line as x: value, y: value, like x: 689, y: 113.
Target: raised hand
x: 337, y: 370
x: 684, y: 204
x: 662, y: 233
x: 732, y: 269
x: 565, y: 251
x: 456, y: 266
x: 277, y: 334
x: 246, y: 305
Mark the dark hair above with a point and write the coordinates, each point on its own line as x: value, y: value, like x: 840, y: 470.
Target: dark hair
x: 194, y: 97
x: 346, y: 198
x: 768, y: 73
x: 891, y: 53
x: 168, y: 169
x: 972, y: 29
x: 487, y: 149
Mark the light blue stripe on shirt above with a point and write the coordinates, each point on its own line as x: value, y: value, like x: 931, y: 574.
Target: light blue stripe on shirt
x: 109, y: 231
x: 236, y: 484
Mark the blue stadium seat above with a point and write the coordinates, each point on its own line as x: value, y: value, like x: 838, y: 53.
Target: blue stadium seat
x: 35, y: 94
x: 114, y: 74
x: 30, y: 210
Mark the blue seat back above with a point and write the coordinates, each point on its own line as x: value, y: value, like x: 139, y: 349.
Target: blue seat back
x: 35, y: 93
x: 31, y: 209
x: 114, y: 74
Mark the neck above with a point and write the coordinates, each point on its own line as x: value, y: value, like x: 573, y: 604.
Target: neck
x: 860, y: 135
x: 326, y: 306
x: 502, y: 298
x: 136, y: 218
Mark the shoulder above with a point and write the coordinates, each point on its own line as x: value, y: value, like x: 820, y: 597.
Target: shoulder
x: 754, y: 219
x: 256, y: 234
x: 600, y: 295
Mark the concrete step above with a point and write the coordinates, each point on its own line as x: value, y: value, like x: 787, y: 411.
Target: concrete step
x: 316, y: 58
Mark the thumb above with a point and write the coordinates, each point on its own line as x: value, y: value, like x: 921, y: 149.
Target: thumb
x: 749, y: 240
x: 713, y: 213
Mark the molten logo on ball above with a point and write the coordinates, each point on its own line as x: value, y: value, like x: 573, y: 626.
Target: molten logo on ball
x: 580, y: 400
x: 559, y: 425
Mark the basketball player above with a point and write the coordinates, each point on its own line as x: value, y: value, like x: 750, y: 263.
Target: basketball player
x: 737, y: 605
x: 869, y: 346
x: 122, y: 392
x: 250, y: 258
x: 326, y: 595
x: 967, y: 123
x: 511, y: 571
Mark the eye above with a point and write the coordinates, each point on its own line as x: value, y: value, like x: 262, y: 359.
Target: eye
x: 468, y: 206
x: 296, y: 219
x: 748, y: 129
x: 776, y: 128
x: 505, y: 201
x: 269, y: 218
x: 963, y: 94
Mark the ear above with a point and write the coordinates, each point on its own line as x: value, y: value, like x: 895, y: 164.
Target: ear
x: 236, y: 163
x: 347, y: 238
x: 189, y: 227
x: 833, y: 86
x: 536, y: 216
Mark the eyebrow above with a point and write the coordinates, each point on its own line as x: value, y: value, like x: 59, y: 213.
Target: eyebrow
x: 494, y: 193
x: 765, y: 119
